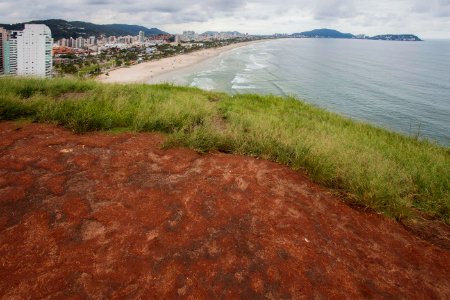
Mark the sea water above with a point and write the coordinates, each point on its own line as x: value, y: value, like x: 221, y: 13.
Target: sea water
x: 402, y: 86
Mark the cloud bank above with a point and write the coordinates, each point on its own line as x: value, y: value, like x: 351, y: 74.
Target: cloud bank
x: 429, y: 19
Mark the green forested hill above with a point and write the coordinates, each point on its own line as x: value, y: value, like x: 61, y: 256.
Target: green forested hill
x: 65, y: 29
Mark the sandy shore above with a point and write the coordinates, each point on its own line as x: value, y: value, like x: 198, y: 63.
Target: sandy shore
x: 149, y: 72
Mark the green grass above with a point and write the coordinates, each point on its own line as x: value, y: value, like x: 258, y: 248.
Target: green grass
x: 385, y: 171
x: 85, y: 70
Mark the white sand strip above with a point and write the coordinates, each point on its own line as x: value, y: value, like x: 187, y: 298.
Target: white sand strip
x: 150, y: 71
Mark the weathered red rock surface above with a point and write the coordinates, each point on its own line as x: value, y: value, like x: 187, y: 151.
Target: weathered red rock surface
x: 114, y: 216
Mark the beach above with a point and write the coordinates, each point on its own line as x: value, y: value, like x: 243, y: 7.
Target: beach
x: 152, y: 71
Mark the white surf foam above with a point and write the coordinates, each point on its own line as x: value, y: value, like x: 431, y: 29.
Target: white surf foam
x: 203, y: 83
x: 240, y: 78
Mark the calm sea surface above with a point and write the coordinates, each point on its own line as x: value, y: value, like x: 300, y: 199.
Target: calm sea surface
x: 403, y: 86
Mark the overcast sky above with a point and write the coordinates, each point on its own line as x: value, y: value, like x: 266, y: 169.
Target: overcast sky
x: 426, y: 18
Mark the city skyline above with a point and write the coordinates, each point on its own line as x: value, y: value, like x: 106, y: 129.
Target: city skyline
x: 429, y: 20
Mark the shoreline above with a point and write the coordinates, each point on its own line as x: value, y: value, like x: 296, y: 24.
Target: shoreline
x: 151, y: 71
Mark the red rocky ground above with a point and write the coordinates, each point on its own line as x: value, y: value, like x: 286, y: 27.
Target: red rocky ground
x: 114, y: 216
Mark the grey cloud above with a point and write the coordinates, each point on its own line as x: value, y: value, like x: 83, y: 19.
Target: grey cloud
x: 435, y: 8
x: 334, y: 9
x: 258, y: 15
x: 97, y: 2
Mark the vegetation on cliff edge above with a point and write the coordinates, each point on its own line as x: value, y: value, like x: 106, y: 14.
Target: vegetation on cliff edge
x: 370, y: 166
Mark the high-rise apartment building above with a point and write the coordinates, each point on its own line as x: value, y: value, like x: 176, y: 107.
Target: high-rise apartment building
x: 10, y: 57
x: 3, y: 39
x: 26, y: 52
x: 141, y: 37
x: 62, y: 42
x: 72, y: 43
x: 92, y: 41
x: 34, y: 51
x: 189, y: 36
x: 80, y: 43
x: 10, y: 54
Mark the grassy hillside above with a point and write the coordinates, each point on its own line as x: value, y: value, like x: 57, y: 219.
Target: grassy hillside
x: 373, y: 167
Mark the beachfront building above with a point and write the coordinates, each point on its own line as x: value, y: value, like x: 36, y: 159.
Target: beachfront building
x: 9, y: 57
x: 3, y: 39
x: 34, y: 51
x: 189, y: 36
x: 9, y: 54
x: 28, y: 52
x: 214, y: 35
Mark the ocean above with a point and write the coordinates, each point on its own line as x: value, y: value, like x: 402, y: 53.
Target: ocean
x: 401, y: 86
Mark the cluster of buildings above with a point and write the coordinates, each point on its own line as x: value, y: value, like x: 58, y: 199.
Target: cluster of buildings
x: 189, y: 36
x: 79, y: 43
x: 29, y: 52
x: 122, y: 42
x: 26, y: 52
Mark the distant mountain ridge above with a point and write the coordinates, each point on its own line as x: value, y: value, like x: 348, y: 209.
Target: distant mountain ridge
x: 65, y: 29
x: 331, y: 33
x: 325, y: 33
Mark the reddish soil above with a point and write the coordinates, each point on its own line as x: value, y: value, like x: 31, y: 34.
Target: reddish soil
x: 114, y: 216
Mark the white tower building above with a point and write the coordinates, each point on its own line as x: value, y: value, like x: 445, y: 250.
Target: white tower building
x: 34, y: 51
x: 141, y: 37
x: 92, y: 41
x: 80, y: 43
